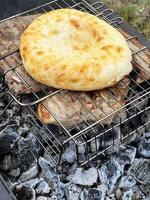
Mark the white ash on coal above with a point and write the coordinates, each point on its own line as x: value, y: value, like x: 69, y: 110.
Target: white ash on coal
x: 70, y: 153
x: 8, y: 137
x: 92, y: 193
x: 127, y: 182
x: 72, y: 191
x: 126, y: 154
x: 128, y: 195
x: 31, y: 173
x: 140, y: 170
x: 109, y: 173
x: 144, y: 145
x: 84, y: 177
x: 42, y: 187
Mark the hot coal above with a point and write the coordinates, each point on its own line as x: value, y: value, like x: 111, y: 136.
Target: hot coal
x: 42, y: 187
x: 31, y: 173
x: 127, y: 182
x: 72, y: 191
x: 48, y: 173
x: 145, y: 119
x: 28, y: 150
x: 43, y: 198
x: 26, y: 193
x: 144, y: 145
x: 128, y: 195
x: 8, y: 137
x: 140, y: 169
x: 109, y: 173
x: 126, y: 154
x: 15, y: 172
x: 92, y: 194
x: 84, y: 177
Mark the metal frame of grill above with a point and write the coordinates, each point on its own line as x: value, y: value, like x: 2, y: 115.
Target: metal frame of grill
x: 87, y: 134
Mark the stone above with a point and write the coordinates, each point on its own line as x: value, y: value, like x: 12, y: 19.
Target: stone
x: 92, y: 194
x: 8, y: 136
x: 127, y: 195
x: 42, y: 188
x: 72, y: 191
x: 127, y: 182
x: 144, y: 145
x: 31, y: 173
x: 84, y: 177
x: 140, y: 169
x: 109, y: 173
x: 126, y: 154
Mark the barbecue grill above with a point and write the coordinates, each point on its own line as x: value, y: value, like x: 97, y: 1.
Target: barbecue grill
x: 86, y: 133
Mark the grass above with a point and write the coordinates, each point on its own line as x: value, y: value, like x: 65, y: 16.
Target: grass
x: 135, y: 12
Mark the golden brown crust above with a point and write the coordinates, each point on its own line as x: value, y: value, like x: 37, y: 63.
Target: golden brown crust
x: 74, y: 50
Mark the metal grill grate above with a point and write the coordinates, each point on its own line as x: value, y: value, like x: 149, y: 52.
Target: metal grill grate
x: 92, y: 132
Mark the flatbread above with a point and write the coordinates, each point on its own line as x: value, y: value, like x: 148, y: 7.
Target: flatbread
x: 74, y: 50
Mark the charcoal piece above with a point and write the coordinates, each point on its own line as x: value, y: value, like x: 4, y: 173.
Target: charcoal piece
x: 128, y: 195
x: 84, y: 177
x: 138, y: 194
x: 145, y: 190
x: 72, y: 191
x: 43, y: 198
x: 145, y: 119
x: 15, y: 172
x: 127, y: 182
x: 49, y: 175
x: 8, y: 137
x: 31, y: 183
x: 42, y: 187
x: 31, y: 173
x: 70, y: 153
x: 110, y: 137
x: 139, y: 104
x: 118, y: 194
x: 28, y: 150
x: 92, y: 194
x: 126, y: 154
x: 95, y: 145
x: 141, y: 170
x: 6, y: 163
x: 144, y: 145
x: 5, y: 119
x: 109, y: 173
x: 26, y: 193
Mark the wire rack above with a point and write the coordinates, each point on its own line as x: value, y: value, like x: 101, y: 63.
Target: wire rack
x: 92, y: 135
